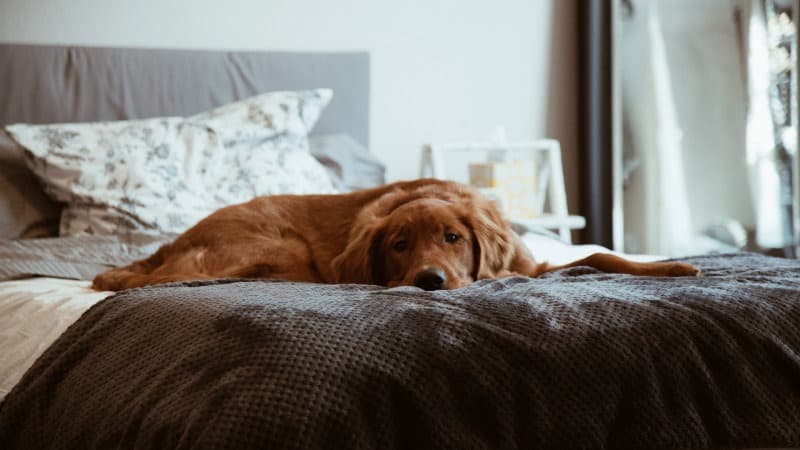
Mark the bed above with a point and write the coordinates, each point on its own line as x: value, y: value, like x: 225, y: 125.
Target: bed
x: 575, y: 358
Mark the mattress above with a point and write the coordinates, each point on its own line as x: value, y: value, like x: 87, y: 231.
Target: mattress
x: 575, y: 358
x: 35, y: 311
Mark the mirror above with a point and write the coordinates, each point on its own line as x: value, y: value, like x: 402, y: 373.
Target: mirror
x: 706, y: 159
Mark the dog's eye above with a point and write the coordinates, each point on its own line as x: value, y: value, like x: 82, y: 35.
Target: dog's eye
x: 400, y: 246
x: 450, y: 237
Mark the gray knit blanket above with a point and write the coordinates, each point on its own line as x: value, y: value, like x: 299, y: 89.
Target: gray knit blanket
x: 573, y: 359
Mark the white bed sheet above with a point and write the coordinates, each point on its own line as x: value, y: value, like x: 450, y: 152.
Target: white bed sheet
x: 554, y: 251
x: 33, y: 314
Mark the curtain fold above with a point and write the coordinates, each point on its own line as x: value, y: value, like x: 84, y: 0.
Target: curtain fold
x: 655, y: 140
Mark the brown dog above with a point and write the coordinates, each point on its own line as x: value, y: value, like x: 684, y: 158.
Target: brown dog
x: 428, y: 233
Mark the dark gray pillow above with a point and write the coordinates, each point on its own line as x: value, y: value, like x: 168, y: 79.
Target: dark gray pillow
x: 25, y: 210
x: 350, y: 164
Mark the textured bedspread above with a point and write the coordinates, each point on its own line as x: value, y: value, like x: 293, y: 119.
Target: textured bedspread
x: 573, y: 359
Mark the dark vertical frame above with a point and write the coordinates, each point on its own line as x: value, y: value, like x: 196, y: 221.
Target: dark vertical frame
x: 597, y: 119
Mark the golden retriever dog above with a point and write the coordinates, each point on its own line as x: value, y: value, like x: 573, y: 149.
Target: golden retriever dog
x: 432, y: 234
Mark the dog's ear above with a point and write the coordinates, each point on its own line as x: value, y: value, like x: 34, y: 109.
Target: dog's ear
x: 358, y: 263
x: 492, y: 239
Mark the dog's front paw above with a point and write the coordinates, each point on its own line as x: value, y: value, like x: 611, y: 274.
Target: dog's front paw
x: 683, y: 270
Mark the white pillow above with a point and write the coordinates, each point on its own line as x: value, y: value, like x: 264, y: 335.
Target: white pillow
x: 163, y: 175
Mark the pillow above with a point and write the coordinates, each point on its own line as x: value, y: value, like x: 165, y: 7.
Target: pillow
x: 162, y: 175
x: 25, y: 210
x: 349, y: 163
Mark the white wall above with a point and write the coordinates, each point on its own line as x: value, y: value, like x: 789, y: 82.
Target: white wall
x: 442, y: 70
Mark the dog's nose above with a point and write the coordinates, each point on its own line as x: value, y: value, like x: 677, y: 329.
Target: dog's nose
x: 430, y: 279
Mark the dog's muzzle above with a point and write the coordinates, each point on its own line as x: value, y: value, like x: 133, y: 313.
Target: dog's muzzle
x: 431, y: 279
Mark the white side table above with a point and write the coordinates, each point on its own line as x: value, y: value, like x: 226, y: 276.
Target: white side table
x: 549, y: 183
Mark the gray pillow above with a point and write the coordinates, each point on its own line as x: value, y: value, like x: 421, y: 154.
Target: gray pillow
x: 25, y: 210
x: 351, y: 165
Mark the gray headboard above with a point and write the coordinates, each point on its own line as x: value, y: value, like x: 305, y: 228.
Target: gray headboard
x: 49, y: 84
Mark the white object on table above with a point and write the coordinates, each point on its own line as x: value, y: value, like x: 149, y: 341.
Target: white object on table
x: 550, y: 178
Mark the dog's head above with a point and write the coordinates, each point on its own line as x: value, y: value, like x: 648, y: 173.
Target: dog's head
x: 440, y: 236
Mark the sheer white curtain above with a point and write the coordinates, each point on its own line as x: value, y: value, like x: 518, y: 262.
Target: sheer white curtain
x: 654, y: 139
x: 765, y: 182
x: 704, y: 111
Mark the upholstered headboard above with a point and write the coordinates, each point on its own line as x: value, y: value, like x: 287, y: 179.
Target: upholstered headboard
x: 50, y: 84
x: 44, y: 84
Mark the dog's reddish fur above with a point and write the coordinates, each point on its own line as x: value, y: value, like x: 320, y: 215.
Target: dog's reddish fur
x: 386, y: 235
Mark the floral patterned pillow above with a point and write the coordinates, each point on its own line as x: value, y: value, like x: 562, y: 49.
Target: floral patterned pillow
x: 163, y: 175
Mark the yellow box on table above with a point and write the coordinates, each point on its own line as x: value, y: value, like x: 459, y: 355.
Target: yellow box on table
x: 511, y: 183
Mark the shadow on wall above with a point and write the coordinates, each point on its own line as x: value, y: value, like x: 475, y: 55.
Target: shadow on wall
x: 563, y: 119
